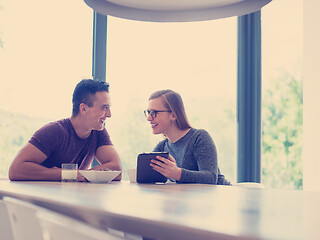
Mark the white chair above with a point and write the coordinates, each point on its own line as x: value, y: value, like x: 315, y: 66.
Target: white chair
x: 24, y: 223
x: 5, y: 226
x: 56, y: 226
x: 124, y: 235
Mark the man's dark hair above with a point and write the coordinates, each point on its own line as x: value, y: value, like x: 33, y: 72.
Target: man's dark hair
x: 85, y: 91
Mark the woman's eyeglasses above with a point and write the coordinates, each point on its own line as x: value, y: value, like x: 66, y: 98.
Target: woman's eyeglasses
x: 153, y: 113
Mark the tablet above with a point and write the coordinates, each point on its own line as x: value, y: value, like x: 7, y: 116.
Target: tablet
x: 145, y: 173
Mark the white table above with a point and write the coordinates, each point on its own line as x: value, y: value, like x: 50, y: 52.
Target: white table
x: 180, y: 211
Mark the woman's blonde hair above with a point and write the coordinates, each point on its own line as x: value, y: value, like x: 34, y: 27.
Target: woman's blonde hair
x: 173, y: 102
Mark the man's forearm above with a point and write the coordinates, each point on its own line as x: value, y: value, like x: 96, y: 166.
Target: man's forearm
x: 29, y: 171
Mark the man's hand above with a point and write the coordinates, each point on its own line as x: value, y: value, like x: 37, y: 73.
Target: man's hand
x: 81, y: 178
x: 108, y: 157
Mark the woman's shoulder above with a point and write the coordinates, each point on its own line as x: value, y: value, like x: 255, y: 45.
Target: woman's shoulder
x: 203, y: 140
x: 201, y: 135
x: 199, y: 132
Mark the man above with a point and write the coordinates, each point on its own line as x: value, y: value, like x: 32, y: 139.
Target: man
x: 73, y: 140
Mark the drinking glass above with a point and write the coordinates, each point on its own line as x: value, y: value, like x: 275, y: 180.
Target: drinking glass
x: 69, y: 172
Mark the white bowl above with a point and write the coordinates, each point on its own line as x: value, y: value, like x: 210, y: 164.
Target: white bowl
x: 99, y: 176
x: 132, y: 174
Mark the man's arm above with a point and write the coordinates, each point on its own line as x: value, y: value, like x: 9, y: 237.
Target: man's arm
x: 108, y: 157
x: 26, y: 166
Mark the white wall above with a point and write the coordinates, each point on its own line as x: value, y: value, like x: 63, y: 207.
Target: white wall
x: 311, y: 95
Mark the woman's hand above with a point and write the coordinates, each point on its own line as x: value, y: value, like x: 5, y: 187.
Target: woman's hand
x: 167, y: 167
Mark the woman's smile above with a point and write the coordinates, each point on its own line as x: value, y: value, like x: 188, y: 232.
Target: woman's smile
x: 153, y: 125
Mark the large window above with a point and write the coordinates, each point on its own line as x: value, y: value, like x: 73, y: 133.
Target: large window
x: 46, y: 49
x: 198, y: 60
x: 282, y: 94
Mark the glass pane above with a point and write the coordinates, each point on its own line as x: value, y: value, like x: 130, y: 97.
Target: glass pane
x: 282, y: 94
x: 46, y: 49
x: 198, y: 60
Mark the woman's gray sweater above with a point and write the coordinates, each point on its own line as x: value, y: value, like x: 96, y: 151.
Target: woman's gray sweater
x: 196, y: 155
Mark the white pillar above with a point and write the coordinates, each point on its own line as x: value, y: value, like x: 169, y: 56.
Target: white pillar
x: 311, y: 95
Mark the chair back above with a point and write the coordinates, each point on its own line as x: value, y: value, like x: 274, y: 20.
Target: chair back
x: 24, y: 223
x: 56, y: 226
x: 5, y: 226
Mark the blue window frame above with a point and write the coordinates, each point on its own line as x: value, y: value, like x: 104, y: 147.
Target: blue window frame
x: 249, y: 88
x: 249, y: 98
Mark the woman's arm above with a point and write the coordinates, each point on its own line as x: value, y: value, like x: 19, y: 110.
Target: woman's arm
x: 204, y: 153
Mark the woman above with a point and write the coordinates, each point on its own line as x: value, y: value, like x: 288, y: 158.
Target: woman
x: 192, y: 152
